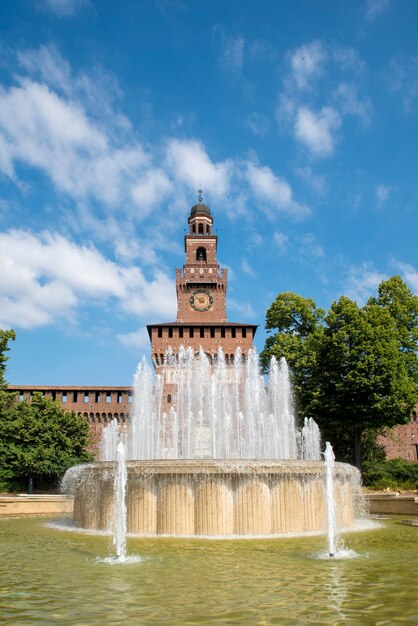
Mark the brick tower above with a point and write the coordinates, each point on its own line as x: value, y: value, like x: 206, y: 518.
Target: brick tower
x: 201, y: 300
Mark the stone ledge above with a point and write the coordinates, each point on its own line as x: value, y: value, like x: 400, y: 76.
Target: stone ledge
x: 23, y: 504
x: 394, y: 503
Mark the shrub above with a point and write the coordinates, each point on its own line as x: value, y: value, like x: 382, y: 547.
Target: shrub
x: 392, y: 474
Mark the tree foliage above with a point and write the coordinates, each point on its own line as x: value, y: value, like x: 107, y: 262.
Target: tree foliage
x: 5, y: 337
x: 38, y: 438
x: 355, y: 369
x: 392, y: 474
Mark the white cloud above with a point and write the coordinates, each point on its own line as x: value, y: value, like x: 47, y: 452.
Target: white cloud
x: 242, y: 308
x: 273, y: 191
x: 151, y: 189
x: 317, y: 182
x: 317, y: 130
x: 307, y: 63
x: 309, y: 246
x: 47, y: 63
x: 137, y: 340
x: 402, y: 77
x: 298, y: 110
x: 408, y: 272
x: 258, y: 124
x: 281, y: 241
x: 247, y: 268
x: 189, y: 163
x: 45, y: 131
x: 349, y: 103
x: 347, y: 59
x: 382, y: 194
x: 45, y: 278
x: 262, y: 49
x: 362, y: 282
x: 231, y: 49
x: 232, y: 56
x: 374, y: 8
x: 62, y: 8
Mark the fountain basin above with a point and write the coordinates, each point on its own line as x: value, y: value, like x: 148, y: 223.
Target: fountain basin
x: 214, y: 498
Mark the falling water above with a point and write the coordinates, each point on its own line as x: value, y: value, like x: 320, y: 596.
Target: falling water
x: 331, y: 511
x: 219, y: 410
x: 310, y: 446
x: 109, y: 442
x: 119, y: 532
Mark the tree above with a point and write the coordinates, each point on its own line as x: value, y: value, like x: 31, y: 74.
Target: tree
x: 39, y: 440
x: 361, y: 376
x: 5, y: 337
x: 299, y: 326
x: 355, y: 369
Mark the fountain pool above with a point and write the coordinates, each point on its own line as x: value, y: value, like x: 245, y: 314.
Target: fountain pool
x: 54, y: 578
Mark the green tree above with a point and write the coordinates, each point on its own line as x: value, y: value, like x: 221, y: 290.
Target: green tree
x: 299, y: 326
x: 355, y: 369
x: 39, y: 440
x: 5, y: 337
x: 361, y: 376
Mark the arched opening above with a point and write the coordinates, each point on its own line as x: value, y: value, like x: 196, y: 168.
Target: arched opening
x: 169, y: 398
x: 201, y: 254
x: 207, y: 229
x: 194, y: 229
x: 200, y: 229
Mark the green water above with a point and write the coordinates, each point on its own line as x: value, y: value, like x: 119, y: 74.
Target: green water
x: 53, y: 577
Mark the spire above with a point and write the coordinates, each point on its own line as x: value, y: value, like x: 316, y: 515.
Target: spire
x: 200, y: 208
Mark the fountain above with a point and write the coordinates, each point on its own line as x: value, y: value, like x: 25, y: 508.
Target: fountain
x: 226, y: 460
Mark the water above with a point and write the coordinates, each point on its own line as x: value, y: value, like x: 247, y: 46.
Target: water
x: 332, y: 530
x: 53, y: 578
x: 223, y: 411
x: 121, y: 478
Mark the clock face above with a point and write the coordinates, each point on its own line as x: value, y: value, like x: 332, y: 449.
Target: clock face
x: 201, y: 300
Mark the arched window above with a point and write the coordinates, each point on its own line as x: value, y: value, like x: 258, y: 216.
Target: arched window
x: 201, y: 254
x: 207, y: 229
x: 200, y: 227
x: 194, y: 229
x: 169, y: 398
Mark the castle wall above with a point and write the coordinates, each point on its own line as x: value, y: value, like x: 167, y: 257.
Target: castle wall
x: 401, y: 442
x: 97, y: 404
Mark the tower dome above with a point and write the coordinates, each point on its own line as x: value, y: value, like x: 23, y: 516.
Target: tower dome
x: 200, y: 209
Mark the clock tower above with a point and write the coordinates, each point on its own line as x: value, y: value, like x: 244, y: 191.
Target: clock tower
x: 201, y: 300
x: 201, y: 286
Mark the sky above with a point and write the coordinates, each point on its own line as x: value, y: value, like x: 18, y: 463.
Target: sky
x: 298, y: 119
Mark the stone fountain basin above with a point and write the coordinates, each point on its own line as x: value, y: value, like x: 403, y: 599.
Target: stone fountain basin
x: 214, y: 498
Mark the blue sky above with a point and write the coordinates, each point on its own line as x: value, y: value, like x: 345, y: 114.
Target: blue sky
x: 297, y: 118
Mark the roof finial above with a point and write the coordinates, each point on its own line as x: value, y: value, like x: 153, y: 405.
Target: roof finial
x: 199, y: 195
